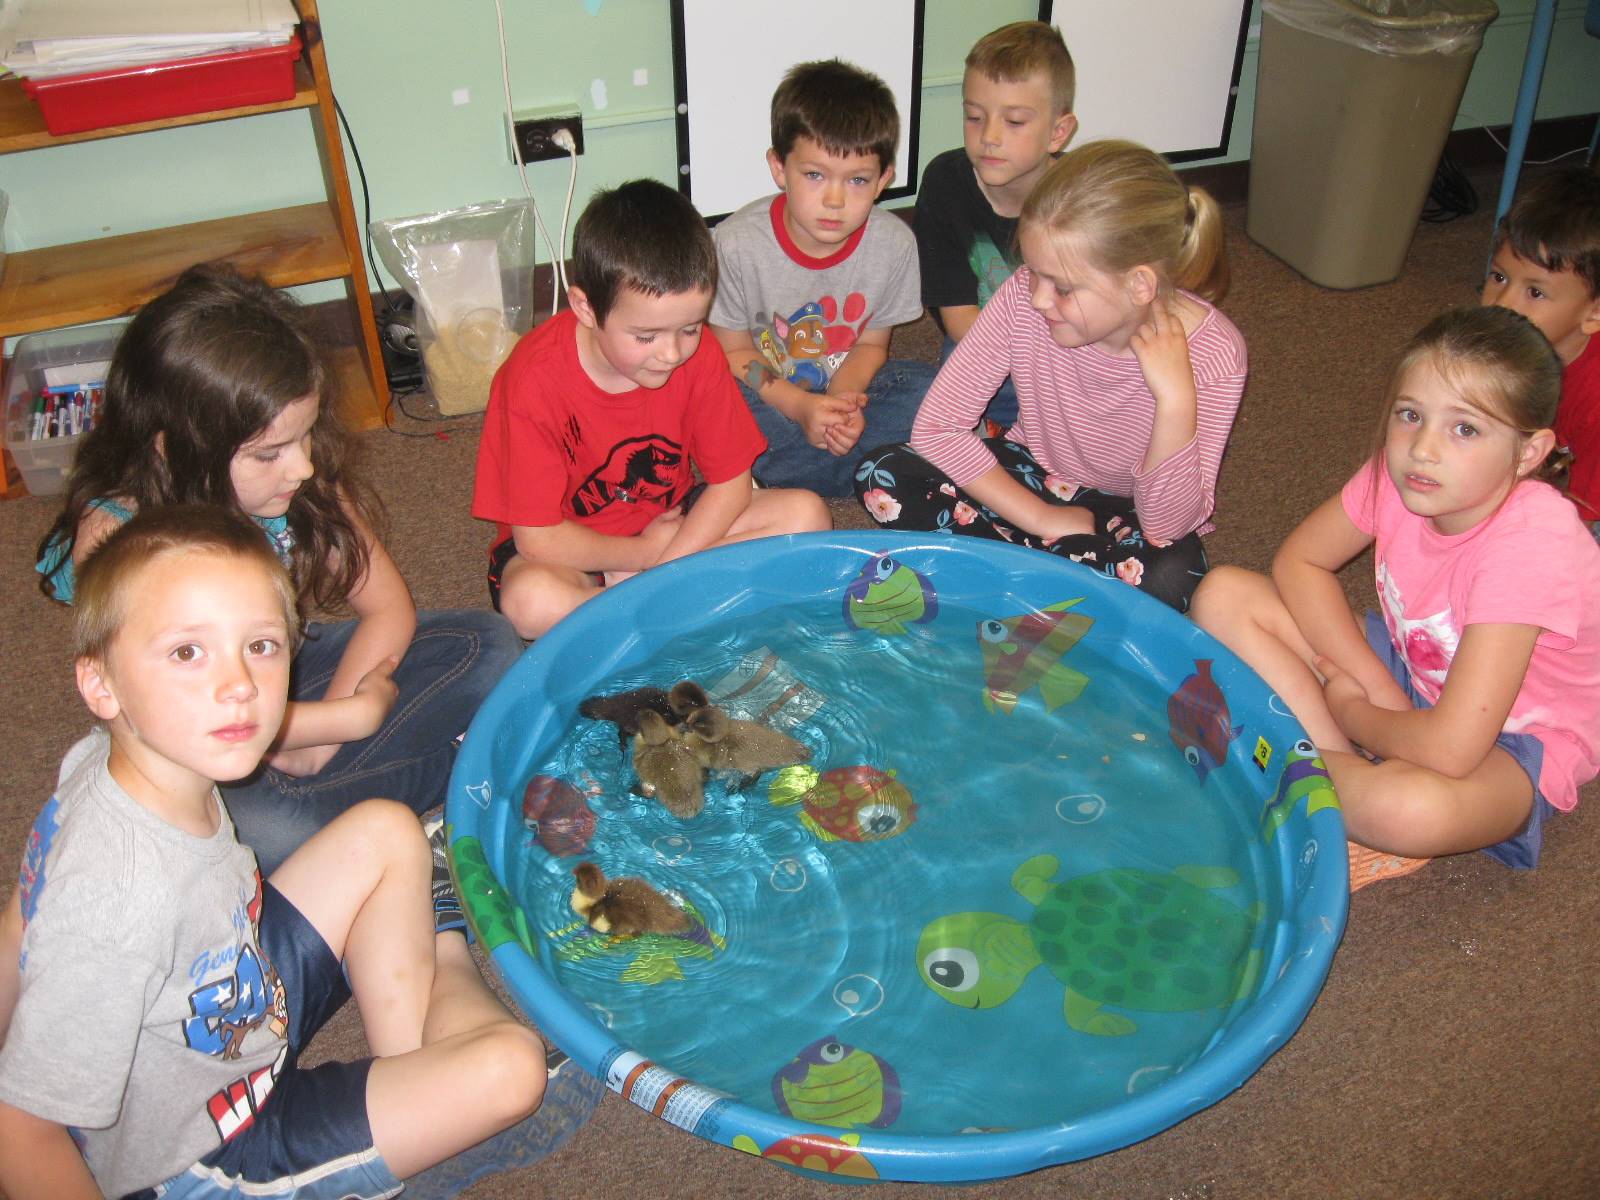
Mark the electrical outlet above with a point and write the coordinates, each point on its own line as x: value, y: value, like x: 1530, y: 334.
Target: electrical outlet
x: 536, y: 135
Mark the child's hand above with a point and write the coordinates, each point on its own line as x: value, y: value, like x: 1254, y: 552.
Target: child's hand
x: 380, y: 691
x: 307, y: 760
x: 1163, y: 353
x: 1065, y: 520
x: 842, y: 436
x: 820, y: 412
x: 360, y: 715
x: 1340, y: 688
x: 655, y: 538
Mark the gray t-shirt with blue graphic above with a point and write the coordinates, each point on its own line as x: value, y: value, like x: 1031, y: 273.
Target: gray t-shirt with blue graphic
x: 148, y: 1020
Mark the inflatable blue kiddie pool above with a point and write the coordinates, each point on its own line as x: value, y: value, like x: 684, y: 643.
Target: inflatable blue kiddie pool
x: 1056, y: 872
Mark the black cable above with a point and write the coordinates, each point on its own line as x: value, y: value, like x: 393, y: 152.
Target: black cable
x: 397, y: 401
x: 390, y: 307
x: 1451, y: 194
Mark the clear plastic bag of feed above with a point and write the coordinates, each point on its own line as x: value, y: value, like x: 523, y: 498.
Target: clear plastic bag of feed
x: 470, y: 272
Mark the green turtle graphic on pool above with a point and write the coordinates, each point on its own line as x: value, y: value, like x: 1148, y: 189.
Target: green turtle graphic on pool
x: 1141, y: 940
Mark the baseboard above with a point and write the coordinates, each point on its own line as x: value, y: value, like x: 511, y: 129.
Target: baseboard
x: 1472, y: 149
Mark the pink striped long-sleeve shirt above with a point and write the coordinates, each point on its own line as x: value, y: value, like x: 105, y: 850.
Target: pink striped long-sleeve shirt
x: 1086, y: 415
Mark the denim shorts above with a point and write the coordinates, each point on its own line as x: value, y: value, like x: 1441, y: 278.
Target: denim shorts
x: 312, y: 1138
x: 1522, y: 849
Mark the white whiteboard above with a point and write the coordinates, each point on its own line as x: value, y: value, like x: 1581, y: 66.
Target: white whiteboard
x: 1160, y: 72
x: 729, y: 56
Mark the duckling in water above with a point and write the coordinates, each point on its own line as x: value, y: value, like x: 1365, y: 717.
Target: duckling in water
x: 625, y: 709
x: 667, y: 767
x: 723, y: 743
x: 623, y: 907
x: 686, y: 696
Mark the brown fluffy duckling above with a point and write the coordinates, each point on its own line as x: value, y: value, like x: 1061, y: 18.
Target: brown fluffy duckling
x: 667, y: 767
x: 623, y: 907
x: 685, y: 697
x: 625, y: 708
x: 723, y: 743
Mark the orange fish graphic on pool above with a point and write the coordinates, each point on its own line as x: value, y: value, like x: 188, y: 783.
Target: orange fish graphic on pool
x: 1025, y: 652
x: 1198, y: 720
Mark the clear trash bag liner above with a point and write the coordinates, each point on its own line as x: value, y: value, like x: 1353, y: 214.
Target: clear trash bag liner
x: 1400, y: 28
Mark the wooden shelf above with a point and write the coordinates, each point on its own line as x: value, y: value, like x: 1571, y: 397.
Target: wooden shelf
x: 22, y: 125
x: 359, y: 406
x: 113, y: 276
x: 108, y: 277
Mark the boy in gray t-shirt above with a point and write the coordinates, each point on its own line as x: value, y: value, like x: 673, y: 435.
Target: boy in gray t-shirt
x: 812, y: 281
x: 161, y: 991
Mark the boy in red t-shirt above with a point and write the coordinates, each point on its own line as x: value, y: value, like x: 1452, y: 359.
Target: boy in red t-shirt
x: 1546, y: 266
x: 599, y: 420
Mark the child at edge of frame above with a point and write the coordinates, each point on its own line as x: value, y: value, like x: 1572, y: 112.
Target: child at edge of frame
x: 1466, y: 712
x: 1546, y: 266
x: 190, y: 984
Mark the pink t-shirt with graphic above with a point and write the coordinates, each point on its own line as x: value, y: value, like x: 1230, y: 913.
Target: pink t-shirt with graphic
x: 1532, y: 563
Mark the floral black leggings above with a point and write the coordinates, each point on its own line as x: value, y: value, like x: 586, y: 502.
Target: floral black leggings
x: 903, y: 490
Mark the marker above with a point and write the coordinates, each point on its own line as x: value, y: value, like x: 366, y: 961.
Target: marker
x: 36, y: 426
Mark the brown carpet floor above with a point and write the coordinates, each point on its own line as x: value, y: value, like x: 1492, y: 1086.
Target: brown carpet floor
x: 1453, y: 1052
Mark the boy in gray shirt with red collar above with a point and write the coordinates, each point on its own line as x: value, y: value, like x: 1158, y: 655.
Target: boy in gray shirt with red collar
x: 812, y: 281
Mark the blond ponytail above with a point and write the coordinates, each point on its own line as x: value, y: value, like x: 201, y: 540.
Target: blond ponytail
x: 1120, y: 205
x: 1201, y: 265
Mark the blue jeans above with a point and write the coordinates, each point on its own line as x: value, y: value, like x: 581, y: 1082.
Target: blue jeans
x: 1002, y: 408
x: 455, y: 658
x: 893, y: 397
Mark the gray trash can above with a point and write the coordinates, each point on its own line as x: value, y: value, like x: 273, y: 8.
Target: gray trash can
x: 1354, y: 100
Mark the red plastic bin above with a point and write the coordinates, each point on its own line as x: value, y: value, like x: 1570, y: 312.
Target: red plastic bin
x: 76, y: 103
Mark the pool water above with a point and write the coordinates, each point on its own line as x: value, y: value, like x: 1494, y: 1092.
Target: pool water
x: 810, y: 990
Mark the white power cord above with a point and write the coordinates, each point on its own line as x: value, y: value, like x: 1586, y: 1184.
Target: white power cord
x: 558, y: 268
x: 564, y: 139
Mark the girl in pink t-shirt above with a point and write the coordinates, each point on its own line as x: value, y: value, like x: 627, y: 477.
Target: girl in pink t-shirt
x: 1476, y: 695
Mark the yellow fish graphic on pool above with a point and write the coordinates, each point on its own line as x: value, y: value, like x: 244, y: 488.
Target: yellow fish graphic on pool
x: 1025, y: 651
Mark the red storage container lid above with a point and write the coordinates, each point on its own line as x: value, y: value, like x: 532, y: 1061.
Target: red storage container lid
x: 152, y: 91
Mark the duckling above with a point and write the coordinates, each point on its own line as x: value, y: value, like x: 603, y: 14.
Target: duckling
x: 624, y: 907
x: 724, y: 743
x: 667, y: 766
x: 686, y: 696
x: 624, y: 709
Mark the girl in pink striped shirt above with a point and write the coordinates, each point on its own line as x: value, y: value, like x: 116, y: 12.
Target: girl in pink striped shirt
x: 1127, y: 383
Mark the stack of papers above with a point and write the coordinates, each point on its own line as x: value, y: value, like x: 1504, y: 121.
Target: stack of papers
x: 40, y: 39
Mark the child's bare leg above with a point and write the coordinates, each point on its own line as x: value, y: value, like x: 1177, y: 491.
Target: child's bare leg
x: 10, y: 951
x: 456, y: 1091
x: 461, y: 1000
x: 534, y: 596
x: 775, y: 511
x: 1244, y: 612
x: 1401, y: 808
x: 363, y: 883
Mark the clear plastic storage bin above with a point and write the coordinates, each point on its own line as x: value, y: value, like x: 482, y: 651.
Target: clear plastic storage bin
x: 45, y: 462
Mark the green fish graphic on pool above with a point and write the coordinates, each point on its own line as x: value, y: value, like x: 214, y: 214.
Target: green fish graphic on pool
x: 1142, y: 940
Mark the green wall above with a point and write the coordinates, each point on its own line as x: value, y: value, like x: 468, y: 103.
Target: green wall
x: 401, y: 68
